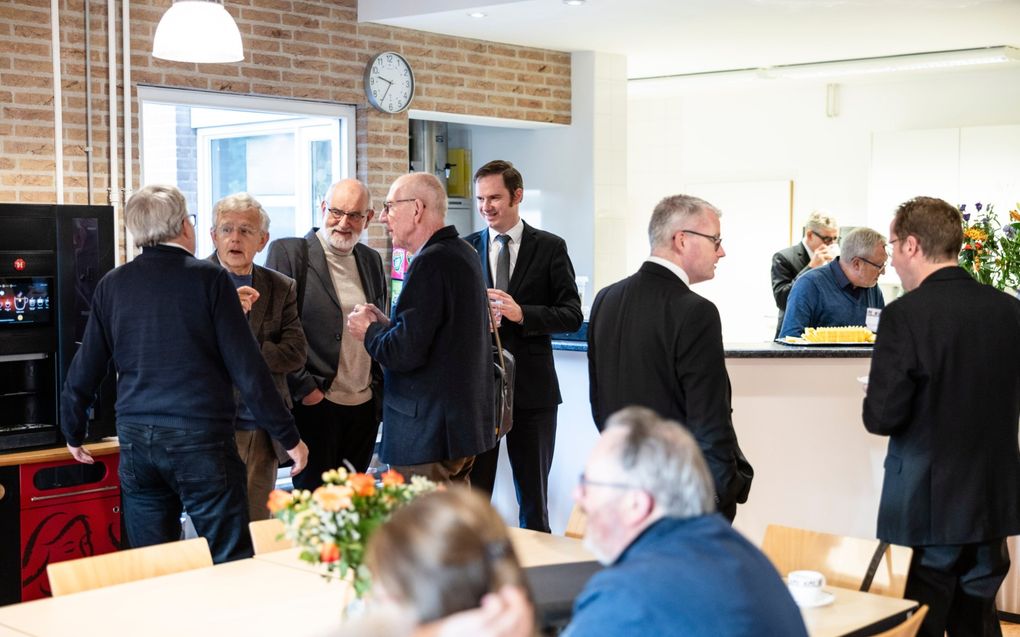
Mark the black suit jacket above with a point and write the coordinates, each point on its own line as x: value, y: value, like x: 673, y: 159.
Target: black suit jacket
x: 437, y: 356
x: 787, y: 264
x: 653, y: 342
x: 274, y: 322
x: 543, y: 285
x: 321, y: 315
x: 945, y: 388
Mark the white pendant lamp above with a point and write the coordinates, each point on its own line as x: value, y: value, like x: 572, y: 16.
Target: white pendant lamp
x: 197, y: 31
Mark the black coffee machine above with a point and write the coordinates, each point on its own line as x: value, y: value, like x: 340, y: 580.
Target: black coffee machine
x: 51, y: 258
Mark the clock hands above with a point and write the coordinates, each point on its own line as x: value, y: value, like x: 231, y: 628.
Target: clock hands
x: 389, y: 85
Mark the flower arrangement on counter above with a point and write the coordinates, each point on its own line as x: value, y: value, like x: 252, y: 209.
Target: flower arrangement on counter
x: 991, y: 250
x: 332, y: 524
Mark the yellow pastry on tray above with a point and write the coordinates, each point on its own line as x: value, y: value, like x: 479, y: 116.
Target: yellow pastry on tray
x: 851, y: 334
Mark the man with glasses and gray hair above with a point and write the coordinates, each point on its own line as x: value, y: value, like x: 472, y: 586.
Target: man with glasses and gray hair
x: 674, y: 567
x: 174, y: 330
x: 653, y: 342
x: 841, y: 293
x: 239, y: 231
x: 819, y: 246
x: 338, y: 392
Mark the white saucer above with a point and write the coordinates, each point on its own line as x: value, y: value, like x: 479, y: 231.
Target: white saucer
x: 824, y: 599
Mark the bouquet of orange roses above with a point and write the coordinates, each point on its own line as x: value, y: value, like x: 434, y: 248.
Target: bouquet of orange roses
x: 332, y: 524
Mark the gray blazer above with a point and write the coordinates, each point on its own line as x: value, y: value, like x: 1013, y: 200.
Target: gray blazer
x: 320, y: 308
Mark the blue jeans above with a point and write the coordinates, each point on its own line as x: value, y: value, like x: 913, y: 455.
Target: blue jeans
x: 163, y: 470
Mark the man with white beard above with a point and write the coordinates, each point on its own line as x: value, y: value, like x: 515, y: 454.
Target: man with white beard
x: 337, y: 395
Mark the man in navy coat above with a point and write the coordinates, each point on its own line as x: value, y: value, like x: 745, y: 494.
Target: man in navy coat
x: 945, y: 387
x: 438, y: 397
x: 539, y: 297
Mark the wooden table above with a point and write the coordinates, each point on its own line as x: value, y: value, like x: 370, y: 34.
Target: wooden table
x: 855, y: 613
x: 247, y: 597
x: 277, y: 594
x: 532, y: 548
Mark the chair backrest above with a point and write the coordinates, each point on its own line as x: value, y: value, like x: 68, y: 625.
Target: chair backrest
x: 843, y: 560
x: 908, y: 628
x: 98, y: 571
x: 267, y: 536
x: 576, y: 523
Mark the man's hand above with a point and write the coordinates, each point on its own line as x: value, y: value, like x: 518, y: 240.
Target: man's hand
x: 506, y: 613
x: 380, y: 316
x: 81, y: 454
x: 248, y: 296
x: 511, y: 310
x: 822, y: 256
x: 363, y: 316
x: 313, y: 397
x: 299, y: 455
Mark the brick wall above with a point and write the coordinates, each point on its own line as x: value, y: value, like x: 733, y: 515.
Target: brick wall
x: 313, y: 49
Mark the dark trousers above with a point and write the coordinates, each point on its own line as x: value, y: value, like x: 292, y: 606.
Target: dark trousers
x: 530, y: 446
x: 335, y: 433
x: 163, y: 470
x: 959, y: 584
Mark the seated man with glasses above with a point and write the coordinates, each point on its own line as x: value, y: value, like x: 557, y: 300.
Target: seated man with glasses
x: 819, y: 246
x: 840, y: 293
x: 674, y: 565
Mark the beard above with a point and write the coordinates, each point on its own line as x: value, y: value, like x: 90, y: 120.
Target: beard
x: 337, y: 241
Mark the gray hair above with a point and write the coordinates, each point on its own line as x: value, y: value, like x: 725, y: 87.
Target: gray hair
x: 240, y: 202
x: 155, y: 214
x: 672, y: 214
x: 860, y: 242
x: 365, y: 192
x: 661, y: 457
x: 820, y: 220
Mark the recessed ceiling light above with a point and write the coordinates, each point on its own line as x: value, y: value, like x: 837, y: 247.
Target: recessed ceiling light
x: 574, y: 3
x: 476, y: 14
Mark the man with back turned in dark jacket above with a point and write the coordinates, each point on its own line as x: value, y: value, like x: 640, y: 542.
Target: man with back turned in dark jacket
x: 174, y: 329
x: 945, y: 387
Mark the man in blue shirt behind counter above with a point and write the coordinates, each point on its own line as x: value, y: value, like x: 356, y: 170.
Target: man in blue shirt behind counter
x: 840, y: 293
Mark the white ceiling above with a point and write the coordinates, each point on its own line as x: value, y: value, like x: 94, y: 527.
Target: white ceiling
x: 666, y: 37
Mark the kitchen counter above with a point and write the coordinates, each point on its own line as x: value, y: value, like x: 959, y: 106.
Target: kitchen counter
x: 746, y: 350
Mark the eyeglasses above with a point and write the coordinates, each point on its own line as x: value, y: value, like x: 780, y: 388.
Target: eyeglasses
x: 336, y: 215
x: 245, y: 231
x: 873, y: 264
x: 714, y: 238
x: 194, y: 220
x: 827, y: 240
x: 388, y: 205
x: 584, y: 482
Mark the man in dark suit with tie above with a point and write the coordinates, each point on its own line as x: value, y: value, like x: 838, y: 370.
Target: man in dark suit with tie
x: 338, y: 392
x: 817, y: 248
x: 240, y: 230
x: 945, y: 387
x: 653, y: 342
x: 435, y: 348
x: 530, y: 274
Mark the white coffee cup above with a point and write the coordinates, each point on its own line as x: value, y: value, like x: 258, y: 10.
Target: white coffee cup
x: 805, y: 587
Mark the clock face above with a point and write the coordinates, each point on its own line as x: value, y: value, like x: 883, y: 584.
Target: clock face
x: 389, y: 82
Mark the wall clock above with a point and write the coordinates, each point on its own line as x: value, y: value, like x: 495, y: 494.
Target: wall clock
x: 389, y: 82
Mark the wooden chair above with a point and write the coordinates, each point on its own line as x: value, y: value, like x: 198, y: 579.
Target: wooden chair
x: 267, y: 536
x: 576, y: 523
x: 843, y: 560
x: 98, y: 571
x: 908, y: 628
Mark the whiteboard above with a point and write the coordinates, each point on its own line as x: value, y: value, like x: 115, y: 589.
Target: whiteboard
x: 755, y: 224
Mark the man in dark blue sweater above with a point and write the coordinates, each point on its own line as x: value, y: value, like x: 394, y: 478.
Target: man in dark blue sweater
x: 174, y: 329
